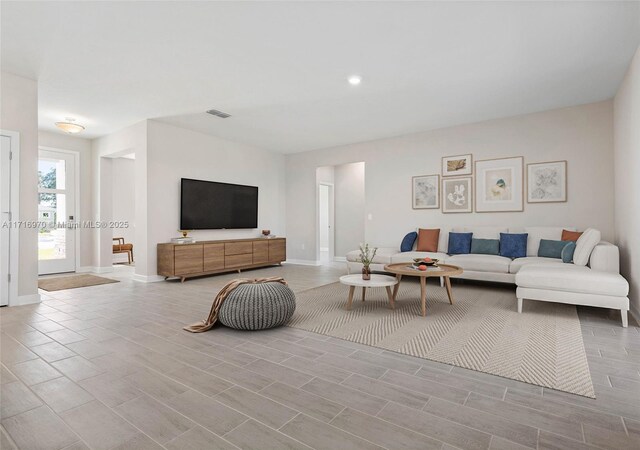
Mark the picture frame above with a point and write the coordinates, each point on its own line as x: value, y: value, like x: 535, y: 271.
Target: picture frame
x: 547, y: 182
x: 457, y: 165
x: 457, y: 195
x: 425, y: 192
x: 499, y: 185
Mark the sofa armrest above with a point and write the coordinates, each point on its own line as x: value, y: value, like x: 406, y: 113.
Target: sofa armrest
x: 605, y: 257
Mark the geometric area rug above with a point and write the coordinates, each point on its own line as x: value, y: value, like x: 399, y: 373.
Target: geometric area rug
x: 481, y: 331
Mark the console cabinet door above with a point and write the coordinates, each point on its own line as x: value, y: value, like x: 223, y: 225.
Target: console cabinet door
x: 188, y: 259
x: 260, y: 252
x: 213, y: 257
x: 277, y: 251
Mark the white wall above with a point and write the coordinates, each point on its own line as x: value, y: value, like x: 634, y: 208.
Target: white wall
x: 174, y: 153
x: 19, y: 112
x: 627, y: 178
x: 583, y: 135
x: 349, y: 207
x: 123, y: 188
x: 82, y: 147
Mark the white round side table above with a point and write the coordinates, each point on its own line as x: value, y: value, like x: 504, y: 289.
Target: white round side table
x: 354, y: 281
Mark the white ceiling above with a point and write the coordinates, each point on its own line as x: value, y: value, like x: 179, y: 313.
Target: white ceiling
x: 280, y: 69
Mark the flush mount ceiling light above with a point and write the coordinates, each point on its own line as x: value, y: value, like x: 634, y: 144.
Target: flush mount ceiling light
x: 355, y: 80
x: 68, y: 126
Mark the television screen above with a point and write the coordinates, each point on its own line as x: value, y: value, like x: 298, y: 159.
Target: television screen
x: 207, y: 205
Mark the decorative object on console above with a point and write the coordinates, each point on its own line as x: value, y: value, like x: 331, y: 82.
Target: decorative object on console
x: 182, y: 240
x: 428, y: 240
x: 457, y: 195
x: 266, y: 232
x: 185, y: 233
x: 460, y: 243
x: 499, y: 185
x: 457, y: 165
x: 513, y: 245
x: 485, y: 246
x: 366, y: 258
x: 547, y: 182
x: 407, y: 242
x: 426, y: 192
x: 571, y: 235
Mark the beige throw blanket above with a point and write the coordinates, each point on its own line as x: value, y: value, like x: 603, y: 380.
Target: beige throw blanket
x: 206, y: 325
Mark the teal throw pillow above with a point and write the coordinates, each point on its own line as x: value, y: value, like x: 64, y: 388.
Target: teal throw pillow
x: 552, y: 249
x: 567, y: 252
x: 485, y: 246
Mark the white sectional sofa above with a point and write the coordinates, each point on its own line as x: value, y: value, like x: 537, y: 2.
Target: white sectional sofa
x: 544, y: 279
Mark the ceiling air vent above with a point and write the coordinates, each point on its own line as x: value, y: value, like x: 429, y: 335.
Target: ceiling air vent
x: 215, y: 112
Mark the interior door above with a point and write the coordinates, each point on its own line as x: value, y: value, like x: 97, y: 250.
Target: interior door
x: 5, y: 216
x: 56, y: 212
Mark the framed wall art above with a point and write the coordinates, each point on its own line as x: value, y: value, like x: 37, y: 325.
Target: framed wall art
x: 499, y: 185
x: 457, y: 195
x: 457, y: 165
x: 547, y: 182
x: 426, y: 192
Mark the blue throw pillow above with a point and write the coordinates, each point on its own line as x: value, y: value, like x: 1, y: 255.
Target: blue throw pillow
x: 460, y: 243
x: 513, y: 245
x: 551, y: 249
x: 485, y: 246
x: 567, y: 252
x: 408, y: 241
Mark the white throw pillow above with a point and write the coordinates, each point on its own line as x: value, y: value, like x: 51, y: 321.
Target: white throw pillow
x: 585, y: 245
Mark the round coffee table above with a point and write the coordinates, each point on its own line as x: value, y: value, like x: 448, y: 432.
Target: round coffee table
x: 354, y: 281
x: 441, y: 270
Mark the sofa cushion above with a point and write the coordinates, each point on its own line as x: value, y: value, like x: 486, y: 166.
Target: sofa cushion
x: 485, y: 246
x: 585, y: 245
x: 383, y: 255
x: 513, y: 245
x: 538, y: 233
x: 480, y: 263
x: 519, y: 263
x: 408, y: 257
x: 572, y: 278
x: 486, y: 232
x: 428, y: 240
x: 460, y: 243
x: 408, y: 242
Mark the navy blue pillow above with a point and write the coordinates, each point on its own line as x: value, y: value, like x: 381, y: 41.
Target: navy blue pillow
x: 513, y: 245
x: 567, y: 252
x: 460, y: 243
x: 408, y: 241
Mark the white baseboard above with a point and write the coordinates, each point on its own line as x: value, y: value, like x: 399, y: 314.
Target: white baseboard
x: 107, y: 269
x: 147, y: 278
x: 634, y: 312
x: 27, y: 300
x: 302, y: 262
x: 340, y: 258
x: 84, y: 269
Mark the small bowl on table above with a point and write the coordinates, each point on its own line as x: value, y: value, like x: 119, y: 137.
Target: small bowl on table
x: 417, y: 262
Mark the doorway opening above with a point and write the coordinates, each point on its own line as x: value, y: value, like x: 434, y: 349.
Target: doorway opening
x: 325, y: 222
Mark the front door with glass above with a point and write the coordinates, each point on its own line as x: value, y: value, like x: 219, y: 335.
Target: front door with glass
x: 56, y: 212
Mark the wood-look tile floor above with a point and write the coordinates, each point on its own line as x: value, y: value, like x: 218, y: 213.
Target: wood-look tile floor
x: 109, y: 367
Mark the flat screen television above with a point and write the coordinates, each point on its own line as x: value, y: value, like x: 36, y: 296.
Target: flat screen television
x: 208, y: 205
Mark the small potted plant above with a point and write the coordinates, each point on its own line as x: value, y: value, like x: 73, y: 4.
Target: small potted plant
x: 366, y: 258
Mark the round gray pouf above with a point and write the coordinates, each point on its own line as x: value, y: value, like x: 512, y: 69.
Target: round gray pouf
x: 258, y: 306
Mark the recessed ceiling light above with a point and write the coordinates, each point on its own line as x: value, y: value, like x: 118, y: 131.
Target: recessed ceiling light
x: 69, y: 126
x: 355, y: 80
